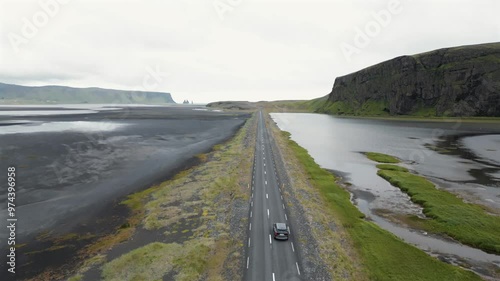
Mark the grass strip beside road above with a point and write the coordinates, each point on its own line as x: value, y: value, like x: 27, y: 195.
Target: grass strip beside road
x: 446, y: 213
x: 385, y: 256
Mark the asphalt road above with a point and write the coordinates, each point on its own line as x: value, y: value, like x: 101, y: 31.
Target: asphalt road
x: 268, y: 259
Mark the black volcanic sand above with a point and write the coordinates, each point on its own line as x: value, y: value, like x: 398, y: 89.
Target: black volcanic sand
x: 70, y: 184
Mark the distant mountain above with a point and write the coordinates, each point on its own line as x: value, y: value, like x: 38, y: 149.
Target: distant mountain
x: 15, y: 94
x: 460, y: 81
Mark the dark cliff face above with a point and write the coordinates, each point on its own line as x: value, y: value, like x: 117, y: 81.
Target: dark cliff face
x: 461, y: 81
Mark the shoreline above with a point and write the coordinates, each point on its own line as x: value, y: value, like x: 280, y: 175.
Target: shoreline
x: 372, y: 241
x: 184, y: 227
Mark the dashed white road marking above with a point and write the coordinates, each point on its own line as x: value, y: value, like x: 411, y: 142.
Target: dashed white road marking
x: 270, y: 240
x: 265, y: 172
x: 297, y: 264
x: 267, y: 213
x: 251, y: 204
x: 248, y: 242
x: 248, y: 261
x: 250, y: 227
x: 250, y: 213
x: 267, y: 197
x: 265, y: 182
x: 286, y: 218
x: 283, y: 206
x: 281, y: 197
x: 292, y: 247
x: 273, y: 277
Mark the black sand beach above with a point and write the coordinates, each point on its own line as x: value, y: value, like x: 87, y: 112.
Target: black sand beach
x: 74, y: 170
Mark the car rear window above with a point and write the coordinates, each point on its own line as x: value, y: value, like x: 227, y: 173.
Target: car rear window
x: 281, y: 226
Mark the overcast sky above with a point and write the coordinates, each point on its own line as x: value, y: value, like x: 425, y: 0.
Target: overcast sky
x: 209, y: 50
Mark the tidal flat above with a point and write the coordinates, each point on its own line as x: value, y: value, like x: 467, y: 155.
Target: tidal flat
x: 75, y: 165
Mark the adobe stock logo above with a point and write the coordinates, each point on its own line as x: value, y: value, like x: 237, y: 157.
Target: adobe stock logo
x: 31, y: 26
x: 222, y: 7
x: 363, y: 37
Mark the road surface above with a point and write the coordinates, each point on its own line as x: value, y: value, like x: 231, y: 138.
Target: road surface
x: 268, y: 259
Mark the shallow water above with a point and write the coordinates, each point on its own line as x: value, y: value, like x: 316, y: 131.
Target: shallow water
x: 451, y: 154
x: 47, y: 127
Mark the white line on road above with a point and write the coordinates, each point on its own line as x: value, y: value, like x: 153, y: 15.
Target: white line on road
x: 267, y: 197
x: 297, y: 264
x: 281, y: 197
x: 248, y: 242
x: 292, y: 247
x: 273, y: 277
x: 251, y: 203
x: 264, y: 172
x: 250, y: 213
x: 283, y: 206
x: 265, y: 182
x: 250, y: 228
x: 270, y: 240
x: 248, y: 261
x: 286, y: 217
x: 267, y: 213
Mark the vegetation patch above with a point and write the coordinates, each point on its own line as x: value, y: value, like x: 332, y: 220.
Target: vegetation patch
x: 448, y: 214
x: 384, y: 256
x: 151, y: 262
x: 352, y: 108
x: 381, y: 158
x: 392, y: 167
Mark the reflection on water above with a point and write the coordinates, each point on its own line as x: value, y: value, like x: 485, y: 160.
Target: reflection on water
x: 44, y: 112
x: 487, y: 147
x: 79, y: 126
x: 433, y: 149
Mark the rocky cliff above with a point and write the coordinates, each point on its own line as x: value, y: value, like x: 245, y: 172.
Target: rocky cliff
x: 15, y: 94
x: 461, y: 81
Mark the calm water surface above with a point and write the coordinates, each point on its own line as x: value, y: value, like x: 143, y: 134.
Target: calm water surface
x: 457, y: 156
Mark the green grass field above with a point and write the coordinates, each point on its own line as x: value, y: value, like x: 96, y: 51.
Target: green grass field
x: 385, y: 256
x: 448, y: 214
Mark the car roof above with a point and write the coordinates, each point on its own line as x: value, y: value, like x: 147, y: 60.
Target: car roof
x: 281, y: 225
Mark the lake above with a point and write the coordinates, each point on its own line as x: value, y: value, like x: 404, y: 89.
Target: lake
x: 458, y: 156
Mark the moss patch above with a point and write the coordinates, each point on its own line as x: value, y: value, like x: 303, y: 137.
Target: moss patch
x: 450, y: 215
x: 391, y: 167
x: 381, y: 158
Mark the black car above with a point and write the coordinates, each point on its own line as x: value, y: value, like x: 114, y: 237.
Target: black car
x: 281, y: 231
